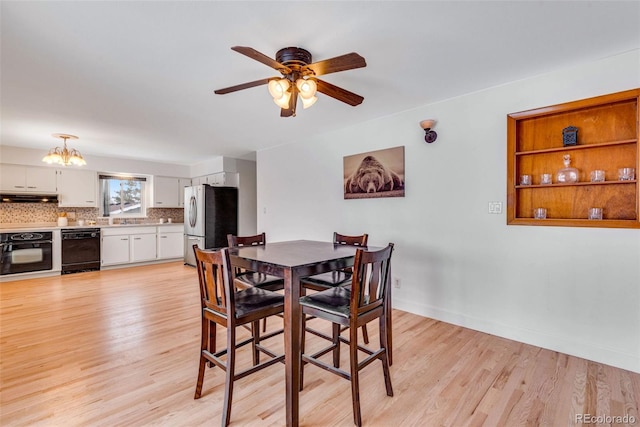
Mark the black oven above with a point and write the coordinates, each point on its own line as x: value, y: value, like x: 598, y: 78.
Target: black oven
x: 26, y: 252
x: 80, y: 250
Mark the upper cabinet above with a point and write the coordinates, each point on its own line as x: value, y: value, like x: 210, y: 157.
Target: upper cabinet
x: 32, y: 179
x: 77, y: 188
x: 220, y: 179
x: 573, y: 154
x: 168, y: 192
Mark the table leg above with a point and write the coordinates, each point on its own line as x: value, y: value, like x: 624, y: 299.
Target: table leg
x: 389, y: 322
x: 292, y: 326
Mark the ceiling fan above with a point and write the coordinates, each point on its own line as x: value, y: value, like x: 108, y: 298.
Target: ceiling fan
x: 299, y: 77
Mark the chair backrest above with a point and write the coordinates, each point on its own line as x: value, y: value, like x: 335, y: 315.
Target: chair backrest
x: 340, y: 239
x: 214, y: 275
x: 238, y: 241
x: 370, y: 279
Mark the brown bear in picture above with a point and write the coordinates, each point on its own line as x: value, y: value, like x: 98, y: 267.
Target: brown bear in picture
x: 373, y: 177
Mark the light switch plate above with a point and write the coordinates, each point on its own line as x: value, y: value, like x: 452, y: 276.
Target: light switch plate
x: 495, y: 207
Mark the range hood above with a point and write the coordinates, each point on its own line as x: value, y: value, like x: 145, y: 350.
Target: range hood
x: 29, y: 198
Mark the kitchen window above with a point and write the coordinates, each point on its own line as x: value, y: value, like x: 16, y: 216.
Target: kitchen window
x: 123, y: 195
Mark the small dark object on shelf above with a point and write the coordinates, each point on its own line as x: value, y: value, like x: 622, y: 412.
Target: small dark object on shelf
x: 570, y: 136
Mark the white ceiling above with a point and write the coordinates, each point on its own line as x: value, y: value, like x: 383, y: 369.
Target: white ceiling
x: 136, y: 79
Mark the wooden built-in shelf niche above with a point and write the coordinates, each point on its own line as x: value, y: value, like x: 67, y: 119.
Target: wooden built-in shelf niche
x: 607, y: 139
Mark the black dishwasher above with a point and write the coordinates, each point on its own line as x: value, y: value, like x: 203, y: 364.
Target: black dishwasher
x: 80, y: 250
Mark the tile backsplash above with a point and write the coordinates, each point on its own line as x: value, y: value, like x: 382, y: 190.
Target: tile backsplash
x: 41, y: 212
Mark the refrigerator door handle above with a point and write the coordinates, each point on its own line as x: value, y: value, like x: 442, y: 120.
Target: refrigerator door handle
x: 193, y: 212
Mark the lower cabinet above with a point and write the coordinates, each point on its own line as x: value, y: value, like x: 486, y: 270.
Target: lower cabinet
x: 115, y: 249
x: 143, y: 247
x: 171, y: 241
x: 126, y: 244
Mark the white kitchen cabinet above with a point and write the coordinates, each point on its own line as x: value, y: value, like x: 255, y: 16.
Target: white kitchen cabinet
x: 32, y: 179
x: 77, y: 188
x: 182, y: 183
x: 170, y: 241
x: 143, y: 247
x: 115, y: 249
x: 125, y: 244
x: 168, y: 192
x: 228, y: 179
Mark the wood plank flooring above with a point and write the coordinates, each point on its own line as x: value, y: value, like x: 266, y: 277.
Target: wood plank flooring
x: 120, y: 348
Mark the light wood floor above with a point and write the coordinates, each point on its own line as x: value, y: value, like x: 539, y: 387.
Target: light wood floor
x: 120, y: 348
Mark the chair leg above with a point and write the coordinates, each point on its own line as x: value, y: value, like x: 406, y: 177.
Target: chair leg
x: 365, y: 334
x: 355, y: 383
x: 336, y: 342
x: 255, y: 331
x: 231, y: 369
x: 203, y: 362
x: 264, y: 325
x: 385, y: 359
x: 303, y: 334
x: 212, y: 339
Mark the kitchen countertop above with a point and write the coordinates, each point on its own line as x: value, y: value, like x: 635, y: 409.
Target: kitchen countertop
x: 47, y: 226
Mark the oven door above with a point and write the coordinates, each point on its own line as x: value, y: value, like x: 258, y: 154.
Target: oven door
x: 24, y: 257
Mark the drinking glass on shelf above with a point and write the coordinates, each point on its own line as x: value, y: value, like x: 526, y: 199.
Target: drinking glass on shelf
x: 540, y: 213
x: 595, y: 213
x: 545, y: 179
x: 626, y: 174
x: 525, y: 179
x: 597, y: 175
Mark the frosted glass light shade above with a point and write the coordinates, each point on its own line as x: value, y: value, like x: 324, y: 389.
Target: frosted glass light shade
x: 307, y: 88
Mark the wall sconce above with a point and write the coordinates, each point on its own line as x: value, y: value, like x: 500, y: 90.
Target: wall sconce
x: 429, y: 135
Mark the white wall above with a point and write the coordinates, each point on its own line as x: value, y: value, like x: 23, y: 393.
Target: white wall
x: 33, y: 157
x: 574, y: 290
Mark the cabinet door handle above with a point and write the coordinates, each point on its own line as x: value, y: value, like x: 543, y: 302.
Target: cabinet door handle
x: 163, y: 237
x: 31, y: 186
x: 137, y: 238
x: 89, y: 201
x: 125, y: 238
x: 18, y: 186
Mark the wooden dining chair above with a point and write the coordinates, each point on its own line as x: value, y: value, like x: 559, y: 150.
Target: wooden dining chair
x: 353, y: 306
x: 223, y: 304
x: 323, y: 281
x: 253, y: 278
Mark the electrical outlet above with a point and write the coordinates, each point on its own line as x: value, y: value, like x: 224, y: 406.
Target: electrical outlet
x: 71, y: 215
x: 396, y: 282
x: 495, y: 207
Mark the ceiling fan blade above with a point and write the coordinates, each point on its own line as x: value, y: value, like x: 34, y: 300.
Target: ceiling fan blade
x: 339, y: 63
x: 339, y: 93
x: 261, y: 57
x: 293, y: 102
x: 242, y: 86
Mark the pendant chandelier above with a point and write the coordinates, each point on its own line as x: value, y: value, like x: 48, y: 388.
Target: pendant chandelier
x: 64, y: 156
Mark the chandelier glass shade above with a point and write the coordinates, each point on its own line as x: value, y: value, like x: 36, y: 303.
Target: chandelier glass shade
x: 279, y: 90
x: 64, y: 156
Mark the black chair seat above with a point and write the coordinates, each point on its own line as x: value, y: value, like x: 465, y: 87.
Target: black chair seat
x: 261, y: 280
x: 327, y: 280
x: 253, y: 299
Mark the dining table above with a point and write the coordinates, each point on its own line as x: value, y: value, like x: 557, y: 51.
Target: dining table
x: 293, y: 260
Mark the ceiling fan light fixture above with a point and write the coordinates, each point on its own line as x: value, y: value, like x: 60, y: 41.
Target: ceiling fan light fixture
x: 308, y: 102
x: 277, y: 88
x: 307, y: 88
x: 283, y: 101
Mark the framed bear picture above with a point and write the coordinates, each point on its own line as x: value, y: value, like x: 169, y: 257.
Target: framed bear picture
x: 374, y: 174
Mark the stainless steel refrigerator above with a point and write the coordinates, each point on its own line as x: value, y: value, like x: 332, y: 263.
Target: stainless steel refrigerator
x: 210, y: 213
